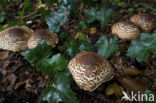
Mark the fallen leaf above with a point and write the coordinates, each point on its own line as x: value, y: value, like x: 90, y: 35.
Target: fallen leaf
x: 92, y: 30
x: 4, y: 55
x: 9, y: 81
x: 114, y: 88
x: 12, y: 65
x: 132, y: 84
x: 131, y: 71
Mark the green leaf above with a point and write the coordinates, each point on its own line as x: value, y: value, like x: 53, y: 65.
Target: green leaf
x: 51, y: 95
x: 82, y: 25
x: 27, y: 7
x: 72, y: 47
x: 101, y: 14
x: 131, y: 10
x: 44, y: 13
x: 50, y: 66
x: 86, y: 46
x: 2, y: 19
x: 106, y: 47
x: 141, y: 47
x: 71, y: 6
x: 35, y: 55
x: 57, y: 19
x: 61, y: 90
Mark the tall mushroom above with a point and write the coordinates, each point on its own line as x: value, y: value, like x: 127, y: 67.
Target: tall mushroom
x: 145, y: 21
x: 15, y: 38
x: 42, y: 34
x: 90, y: 70
x: 126, y: 30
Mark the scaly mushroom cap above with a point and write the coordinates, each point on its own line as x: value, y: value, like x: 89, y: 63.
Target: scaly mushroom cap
x: 42, y: 34
x: 15, y: 38
x: 145, y: 21
x: 125, y: 30
x: 90, y: 70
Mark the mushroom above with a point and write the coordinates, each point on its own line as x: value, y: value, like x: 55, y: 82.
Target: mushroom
x: 145, y: 21
x: 42, y: 34
x: 90, y: 70
x: 125, y: 30
x: 15, y: 38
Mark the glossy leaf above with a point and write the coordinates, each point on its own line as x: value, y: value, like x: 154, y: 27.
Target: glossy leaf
x: 101, y: 14
x: 106, y: 47
x: 141, y: 47
x: 56, y: 19
x: 71, y: 6
x: 72, y: 47
x: 35, y: 55
x: 60, y: 91
x: 86, y: 46
x: 50, y: 66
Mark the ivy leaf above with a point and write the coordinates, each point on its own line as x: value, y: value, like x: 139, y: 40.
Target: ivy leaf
x: 60, y: 91
x: 51, y: 95
x: 35, y: 55
x: 106, y: 47
x: 50, y: 66
x: 72, y: 47
x: 101, y: 14
x: 141, y: 47
x: 56, y: 19
x: 86, y: 46
x: 71, y: 6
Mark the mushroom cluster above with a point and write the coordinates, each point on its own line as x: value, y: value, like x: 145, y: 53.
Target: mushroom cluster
x: 22, y: 38
x: 90, y: 70
x: 130, y: 29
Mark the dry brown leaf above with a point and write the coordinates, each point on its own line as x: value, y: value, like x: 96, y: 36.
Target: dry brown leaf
x: 132, y: 84
x: 4, y: 55
x: 12, y: 66
x: 114, y: 88
x: 92, y: 30
x: 131, y: 71
x: 9, y: 81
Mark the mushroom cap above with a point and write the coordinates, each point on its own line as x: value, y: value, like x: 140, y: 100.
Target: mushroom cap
x: 145, y: 21
x: 90, y: 70
x: 125, y: 30
x: 15, y: 38
x: 42, y: 34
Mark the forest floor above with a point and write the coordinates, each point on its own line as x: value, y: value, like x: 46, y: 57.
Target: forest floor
x: 21, y: 83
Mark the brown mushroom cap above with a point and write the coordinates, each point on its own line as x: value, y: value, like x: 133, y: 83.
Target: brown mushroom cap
x: 125, y: 30
x: 15, y: 38
x: 90, y: 70
x: 145, y: 21
x: 42, y: 34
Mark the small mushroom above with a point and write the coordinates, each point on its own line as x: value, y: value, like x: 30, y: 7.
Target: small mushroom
x: 125, y: 30
x: 90, y: 70
x: 145, y: 21
x: 42, y: 34
x: 15, y: 38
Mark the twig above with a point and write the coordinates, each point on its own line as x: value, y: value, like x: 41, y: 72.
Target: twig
x: 26, y: 16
